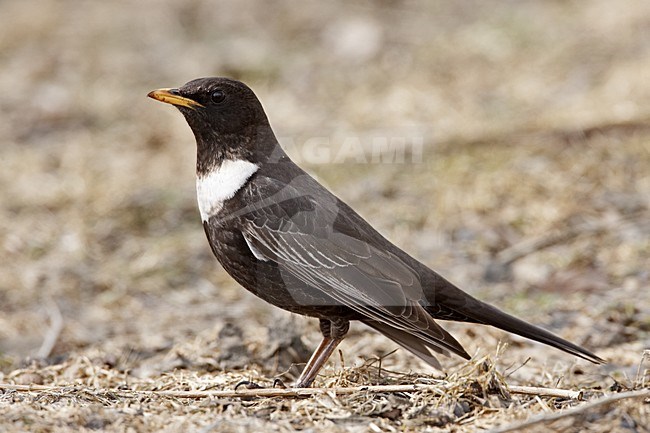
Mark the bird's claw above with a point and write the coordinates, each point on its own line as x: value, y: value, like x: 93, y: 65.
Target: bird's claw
x: 278, y: 383
x: 248, y: 384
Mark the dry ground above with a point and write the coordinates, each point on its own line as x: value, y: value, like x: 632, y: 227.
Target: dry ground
x: 532, y: 192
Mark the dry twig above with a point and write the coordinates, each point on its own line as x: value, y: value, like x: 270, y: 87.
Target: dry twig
x: 546, y: 418
x: 554, y: 237
x: 293, y: 392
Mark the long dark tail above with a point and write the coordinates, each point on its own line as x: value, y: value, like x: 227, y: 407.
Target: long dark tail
x: 489, y: 315
x: 450, y: 303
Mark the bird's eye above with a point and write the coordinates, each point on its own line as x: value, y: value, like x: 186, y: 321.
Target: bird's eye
x: 217, y: 96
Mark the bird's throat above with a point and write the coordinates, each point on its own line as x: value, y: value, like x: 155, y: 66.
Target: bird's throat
x: 221, y: 184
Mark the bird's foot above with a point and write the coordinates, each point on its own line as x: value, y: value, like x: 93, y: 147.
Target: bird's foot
x: 277, y: 383
x: 302, y: 384
x: 248, y: 384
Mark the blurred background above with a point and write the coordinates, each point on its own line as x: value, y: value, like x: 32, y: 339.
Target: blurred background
x: 532, y: 190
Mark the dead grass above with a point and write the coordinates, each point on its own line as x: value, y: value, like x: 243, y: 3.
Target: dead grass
x: 535, y: 122
x: 473, y: 395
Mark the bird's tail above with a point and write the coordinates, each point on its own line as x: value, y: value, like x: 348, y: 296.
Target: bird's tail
x: 459, y: 306
x: 490, y: 315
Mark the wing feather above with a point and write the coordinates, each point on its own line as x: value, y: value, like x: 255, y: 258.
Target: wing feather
x: 299, y: 232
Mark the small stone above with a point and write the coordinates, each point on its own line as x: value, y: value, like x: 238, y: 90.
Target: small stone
x: 29, y: 379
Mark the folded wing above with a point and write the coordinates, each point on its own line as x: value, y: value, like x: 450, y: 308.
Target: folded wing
x: 310, y: 240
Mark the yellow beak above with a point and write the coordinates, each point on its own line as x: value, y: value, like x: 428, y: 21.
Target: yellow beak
x: 169, y: 96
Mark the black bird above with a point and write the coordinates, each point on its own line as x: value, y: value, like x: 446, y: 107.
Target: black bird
x: 293, y: 243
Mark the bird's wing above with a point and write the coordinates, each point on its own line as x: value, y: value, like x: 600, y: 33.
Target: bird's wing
x: 310, y: 235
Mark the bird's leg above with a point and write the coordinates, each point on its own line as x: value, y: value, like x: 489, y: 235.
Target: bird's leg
x: 316, y: 362
x: 333, y: 333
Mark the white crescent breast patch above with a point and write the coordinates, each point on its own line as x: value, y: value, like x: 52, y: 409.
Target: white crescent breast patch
x: 221, y: 184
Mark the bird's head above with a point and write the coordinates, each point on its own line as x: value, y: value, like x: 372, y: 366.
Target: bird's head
x: 221, y: 105
x: 226, y: 117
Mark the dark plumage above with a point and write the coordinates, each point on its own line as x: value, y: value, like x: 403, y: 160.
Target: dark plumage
x: 291, y: 242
